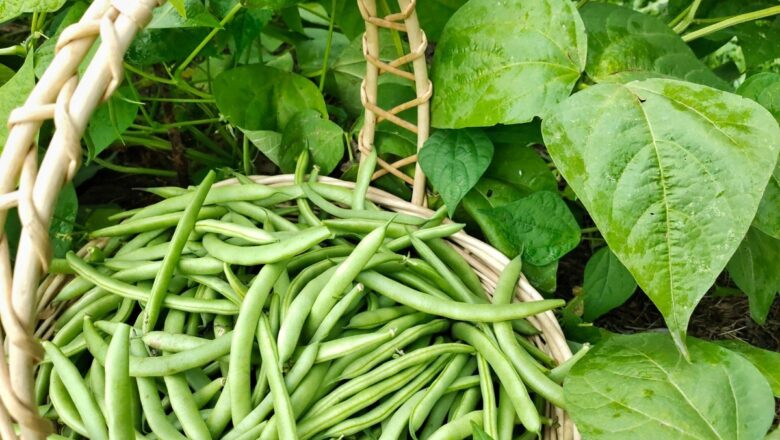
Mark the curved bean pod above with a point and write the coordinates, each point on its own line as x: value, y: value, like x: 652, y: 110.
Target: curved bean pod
x: 119, y: 392
x: 265, y: 254
x: 458, y: 429
x: 163, y: 221
x: 420, y: 411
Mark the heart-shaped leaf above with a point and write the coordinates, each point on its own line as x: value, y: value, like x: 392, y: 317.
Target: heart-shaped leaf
x: 257, y: 97
x: 506, y: 62
x: 539, y: 225
x: 672, y: 174
x: 754, y: 270
x: 268, y: 142
x: 110, y: 120
x: 767, y: 362
x: 323, y: 139
x: 454, y: 160
x: 625, y: 45
x: 639, y: 386
x: 607, y: 284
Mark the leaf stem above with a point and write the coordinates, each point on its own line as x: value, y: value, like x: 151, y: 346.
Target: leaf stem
x: 225, y: 20
x: 732, y: 21
x: 134, y: 170
x: 18, y: 49
x: 328, y: 44
x: 582, y: 3
x: 689, y: 16
x: 165, y: 127
x: 245, y: 155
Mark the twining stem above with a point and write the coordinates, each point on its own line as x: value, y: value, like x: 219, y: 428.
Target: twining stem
x: 225, y: 20
x: 134, y: 170
x: 732, y: 21
x: 165, y: 127
x: 689, y: 16
x: 178, y: 100
x: 328, y: 44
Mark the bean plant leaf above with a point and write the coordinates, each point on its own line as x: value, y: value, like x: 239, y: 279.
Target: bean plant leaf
x: 523, y: 168
x: 110, y: 120
x: 544, y: 278
x: 256, y: 97
x: 754, y: 270
x: 195, y: 15
x: 13, y: 94
x: 626, y: 45
x: 672, y: 174
x: 764, y: 88
x: 454, y: 160
x: 13, y: 8
x: 607, y: 285
x: 152, y: 46
x: 45, y: 52
x: 506, y: 62
x: 271, y: 4
x: 767, y: 362
x: 310, y: 53
x: 434, y: 15
x: 540, y: 225
x: 323, y: 138
x: 63, y: 220
x: 268, y: 142
x: 639, y: 386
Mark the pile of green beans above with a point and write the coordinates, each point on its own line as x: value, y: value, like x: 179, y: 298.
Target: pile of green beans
x: 300, y: 312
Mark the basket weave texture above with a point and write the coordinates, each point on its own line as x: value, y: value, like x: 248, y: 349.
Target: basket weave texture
x: 32, y: 187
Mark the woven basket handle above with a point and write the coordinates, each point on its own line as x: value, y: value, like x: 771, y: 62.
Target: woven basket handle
x: 406, y: 22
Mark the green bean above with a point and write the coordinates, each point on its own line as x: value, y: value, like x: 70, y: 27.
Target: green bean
x: 186, y: 266
x: 396, y: 425
x: 389, y: 369
x: 254, y: 432
x: 149, y: 253
x: 452, y: 309
x: 119, y: 394
x: 384, y: 409
x: 150, y: 401
x: 220, y: 286
x: 192, y: 305
x: 249, y: 234
x: 415, y: 281
x: 463, y: 383
x: 313, y: 423
x: 166, y: 192
x: 363, y: 180
x: 336, y: 211
x: 184, y: 227
x: 94, y: 423
x: 162, y: 221
x: 281, y: 399
x: 375, y: 318
x: 458, y: 429
x: 539, y: 357
x: 307, y: 259
x: 524, y: 327
x: 506, y: 416
x: 222, y: 194
x: 395, y: 345
x: 490, y: 422
x: 203, y: 395
x: 520, y: 359
x: 347, y: 345
x: 457, y: 264
x: 220, y: 415
x: 425, y: 234
x: 243, y: 336
x: 67, y: 412
x: 345, y: 273
x: 338, y: 310
x: 97, y: 309
x: 505, y: 372
x: 306, y: 213
x: 301, y: 281
x: 262, y: 215
x: 438, y: 415
x: 559, y: 373
x: 235, y: 283
x: 274, y: 309
x: 264, y: 254
x: 420, y: 411
x: 74, y: 289
x: 140, y: 241
x: 459, y: 287
x: 467, y: 403
x: 360, y: 227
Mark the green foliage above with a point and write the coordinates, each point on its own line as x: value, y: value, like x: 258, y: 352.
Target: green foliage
x: 110, y: 120
x: 13, y: 94
x: 639, y: 386
x: 323, y: 139
x: 454, y: 160
x: 767, y: 362
x: 607, y: 285
x: 672, y: 174
x: 13, y: 8
x: 754, y: 270
x: 505, y: 63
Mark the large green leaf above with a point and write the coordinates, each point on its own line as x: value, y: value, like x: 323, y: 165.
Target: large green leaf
x: 539, y: 225
x: 434, y: 14
x: 522, y: 168
x: 625, y: 45
x: 14, y: 8
x: 268, y: 142
x: 454, y: 160
x: 196, y: 15
x: 110, y: 120
x: 13, y: 94
x: 45, y: 52
x: 640, y: 387
x: 151, y: 46
x: 754, y: 269
x: 607, y: 284
x: 672, y: 174
x: 310, y: 53
x: 506, y: 62
x: 257, y: 97
x: 764, y: 88
x: 323, y: 139
x: 767, y: 362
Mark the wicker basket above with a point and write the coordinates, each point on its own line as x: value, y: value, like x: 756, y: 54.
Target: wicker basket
x: 32, y: 187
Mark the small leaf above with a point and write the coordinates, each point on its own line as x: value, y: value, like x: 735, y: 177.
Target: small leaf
x: 454, y: 160
x: 540, y: 225
x: 13, y: 8
x: 110, y: 120
x: 13, y: 94
x: 607, y: 285
x: 193, y: 14
x: 544, y: 278
x: 671, y: 173
x: 625, y: 45
x: 639, y: 386
x: 767, y: 362
x: 268, y: 142
x: 323, y: 138
x: 256, y: 97
x: 506, y: 62
x: 754, y: 270
x: 523, y: 168
x: 151, y: 46
x: 179, y: 6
